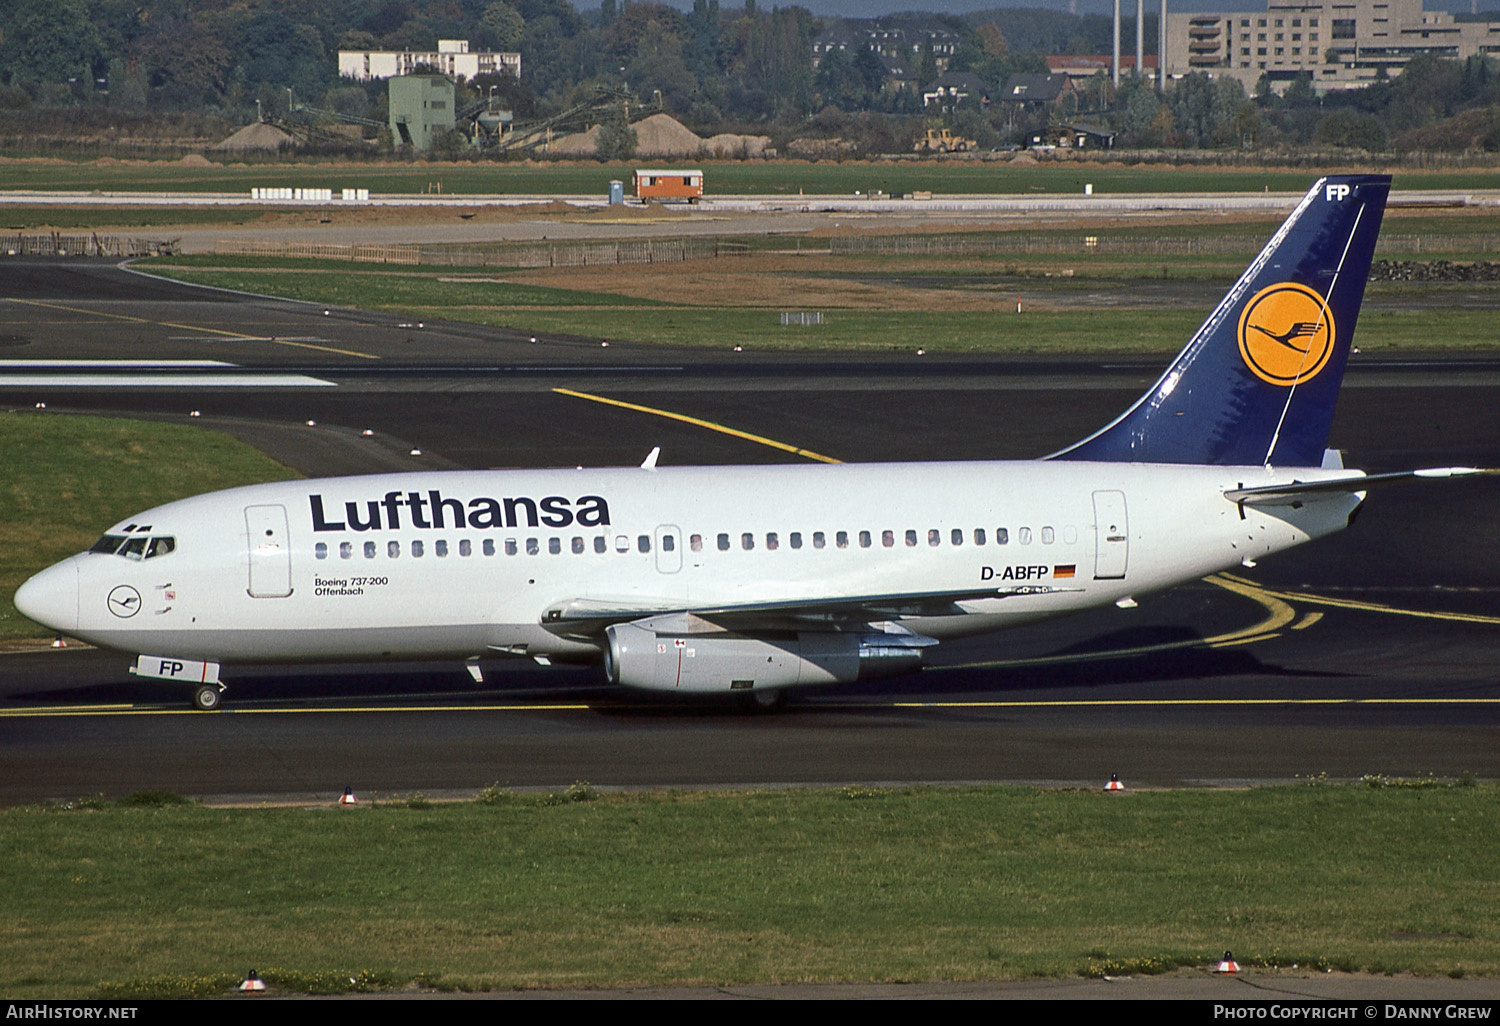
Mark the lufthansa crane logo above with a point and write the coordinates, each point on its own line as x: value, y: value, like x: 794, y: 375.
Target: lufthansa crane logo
x: 1286, y: 334
x: 124, y: 601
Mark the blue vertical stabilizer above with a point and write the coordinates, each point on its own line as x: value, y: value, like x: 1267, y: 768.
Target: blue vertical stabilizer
x: 1258, y: 382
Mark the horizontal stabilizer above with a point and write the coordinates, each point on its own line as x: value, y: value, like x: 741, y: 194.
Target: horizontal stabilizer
x: 1300, y: 491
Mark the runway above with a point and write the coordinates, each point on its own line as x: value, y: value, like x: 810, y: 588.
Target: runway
x: 1371, y: 652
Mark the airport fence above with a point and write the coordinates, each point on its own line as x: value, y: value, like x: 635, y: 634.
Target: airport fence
x: 542, y: 254
x: 1020, y: 243
x: 90, y: 245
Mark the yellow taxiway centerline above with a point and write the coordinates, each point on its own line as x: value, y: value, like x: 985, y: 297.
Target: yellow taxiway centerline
x: 697, y: 422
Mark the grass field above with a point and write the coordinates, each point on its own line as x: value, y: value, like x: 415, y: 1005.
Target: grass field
x: 580, y: 890
x: 68, y: 478
x: 728, y: 178
x: 942, y: 304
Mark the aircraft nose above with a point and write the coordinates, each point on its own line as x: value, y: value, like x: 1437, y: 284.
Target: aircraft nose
x: 51, y: 597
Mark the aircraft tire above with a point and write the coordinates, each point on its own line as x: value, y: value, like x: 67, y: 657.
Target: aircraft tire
x: 207, y: 698
x: 771, y: 700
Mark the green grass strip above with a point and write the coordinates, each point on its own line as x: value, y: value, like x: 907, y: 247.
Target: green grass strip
x: 583, y: 890
x: 68, y: 478
x: 724, y: 178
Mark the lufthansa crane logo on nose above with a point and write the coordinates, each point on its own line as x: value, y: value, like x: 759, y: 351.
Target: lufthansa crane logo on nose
x: 124, y: 601
x: 1286, y: 334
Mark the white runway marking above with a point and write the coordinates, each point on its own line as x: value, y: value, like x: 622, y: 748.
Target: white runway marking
x: 143, y: 374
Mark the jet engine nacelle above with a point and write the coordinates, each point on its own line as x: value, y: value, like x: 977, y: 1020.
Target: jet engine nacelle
x: 639, y: 657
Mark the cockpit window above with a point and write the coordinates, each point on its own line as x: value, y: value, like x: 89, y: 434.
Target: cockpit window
x: 136, y: 546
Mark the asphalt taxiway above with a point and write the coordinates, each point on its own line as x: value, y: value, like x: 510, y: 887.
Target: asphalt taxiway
x: 1371, y: 652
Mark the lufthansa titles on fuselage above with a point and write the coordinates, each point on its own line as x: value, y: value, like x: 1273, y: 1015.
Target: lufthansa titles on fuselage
x: 437, y: 511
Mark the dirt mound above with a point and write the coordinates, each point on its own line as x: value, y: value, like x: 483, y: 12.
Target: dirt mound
x: 259, y: 137
x: 662, y: 135
x: 728, y: 146
x: 195, y: 160
x: 821, y: 149
x: 579, y: 144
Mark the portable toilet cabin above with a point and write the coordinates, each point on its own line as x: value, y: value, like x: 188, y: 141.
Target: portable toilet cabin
x: 669, y: 185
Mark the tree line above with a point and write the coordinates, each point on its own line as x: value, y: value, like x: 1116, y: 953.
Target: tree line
x: 715, y: 67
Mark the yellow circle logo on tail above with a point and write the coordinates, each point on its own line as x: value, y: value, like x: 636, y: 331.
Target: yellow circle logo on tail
x: 1286, y: 334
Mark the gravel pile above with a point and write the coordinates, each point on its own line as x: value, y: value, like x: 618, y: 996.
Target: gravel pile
x: 1434, y: 270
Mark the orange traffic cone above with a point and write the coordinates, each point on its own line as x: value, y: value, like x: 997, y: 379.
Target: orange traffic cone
x: 253, y: 982
x: 1114, y: 783
x: 348, y: 797
x: 1227, y: 964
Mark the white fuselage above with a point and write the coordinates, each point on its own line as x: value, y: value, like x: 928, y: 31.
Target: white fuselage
x: 268, y: 573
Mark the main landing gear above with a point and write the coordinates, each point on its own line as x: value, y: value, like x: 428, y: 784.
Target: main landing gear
x: 768, y: 700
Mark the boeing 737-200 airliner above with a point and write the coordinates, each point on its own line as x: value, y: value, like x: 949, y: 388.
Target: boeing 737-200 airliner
x: 757, y: 579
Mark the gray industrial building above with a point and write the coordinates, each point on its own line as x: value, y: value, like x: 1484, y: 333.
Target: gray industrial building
x: 421, y: 108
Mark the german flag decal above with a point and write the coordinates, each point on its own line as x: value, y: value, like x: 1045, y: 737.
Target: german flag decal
x: 1065, y: 570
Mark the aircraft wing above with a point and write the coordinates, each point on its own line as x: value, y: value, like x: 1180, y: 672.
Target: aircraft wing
x: 589, y: 617
x: 1295, y: 493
